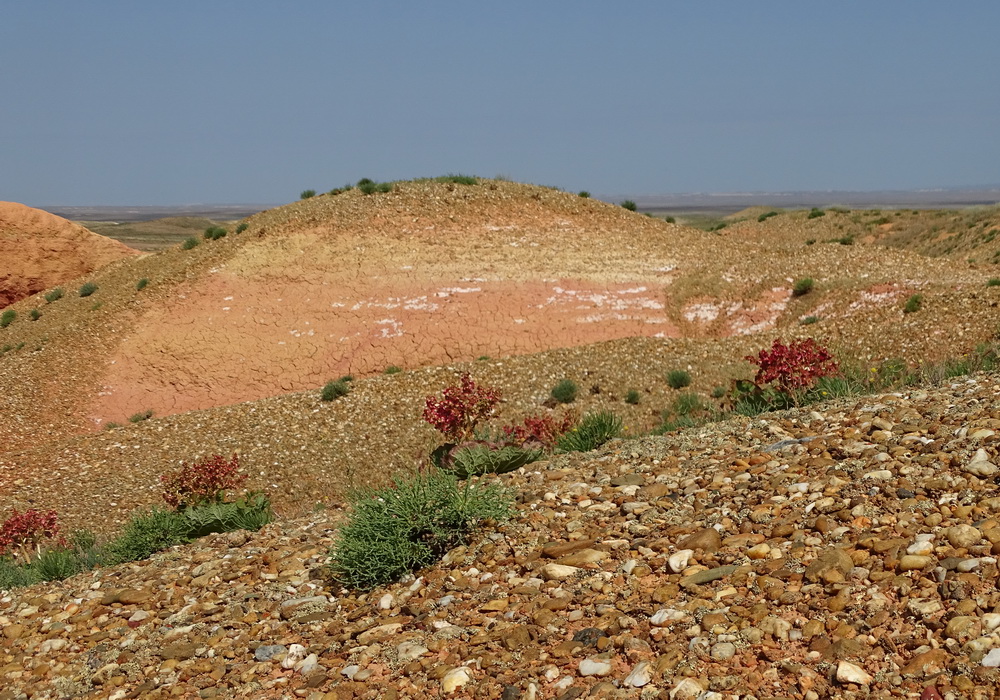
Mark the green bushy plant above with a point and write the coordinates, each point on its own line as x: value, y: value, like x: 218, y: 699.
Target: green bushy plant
x: 913, y: 304
x: 141, y: 284
x: 584, y: 194
x: 393, y: 531
x: 334, y: 389
x: 993, y: 282
x: 687, y: 403
x: 214, y: 233
x: 718, y: 392
x: 458, y: 179
x: 815, y: 213
x: 147, y: 533
x: 629, y: 204
x: 250, y: 512
x: 35, y: 314
x: 803, y: 286
x: 87, y: 289
x: 475, y: 459
x: 54, y: 295
x: 392, y: 369
x: 56, y: 564
x: 670, y: 219
x: 632, y: 397
x: 7, y: 317
x: 242, y: 226
x: 593, y: 430
x: 809, y: 320
x: 678, y: 378
x: 767, y: 215
x: 307, y: 194
x: 565, y: 391
x: 189, y: 243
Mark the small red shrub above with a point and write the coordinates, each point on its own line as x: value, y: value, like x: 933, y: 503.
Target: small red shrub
x: 545, y: 429
x: 460, y: 409
x: 201, y: 482
x: 794, y: 366
x: 24, y: 531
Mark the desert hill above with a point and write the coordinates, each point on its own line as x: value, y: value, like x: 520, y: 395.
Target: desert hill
x: 40, y: 251
x: 435, y: 273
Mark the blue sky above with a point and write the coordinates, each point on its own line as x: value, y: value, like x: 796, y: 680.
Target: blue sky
x: 214, y: 101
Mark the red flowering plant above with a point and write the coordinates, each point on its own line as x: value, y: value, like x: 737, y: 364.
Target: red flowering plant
x: 544, y: 430
x: 202, y: 482
x: 790, y: 369
x: 22, y: 533
x: 460, y: 409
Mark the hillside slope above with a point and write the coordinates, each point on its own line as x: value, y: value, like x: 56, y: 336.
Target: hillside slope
x: 847, y: 550
x: 435, y: 273
x: 40, y: 251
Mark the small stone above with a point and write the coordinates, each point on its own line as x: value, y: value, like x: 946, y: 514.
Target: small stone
x: 686, y: 689
x: 914, y: 562
x: 663, y: 617
x: 708, y: 576
x: 926, y: 664
x: 179, y: 650
x: 759, y: 551
x: 267, y: 652
x: 641, y: 675
x: 992, y: 659
x: 850, y: 673
x: 583, y: 557
x: 831, y: 559
x: 561, y: 549
x: 296, y: 653
x: 380, y: 632
x: 558, y: 572
x: 307, y: 665
x: 455, y: 679
x: 13, y: 631
x: 707, y: 540
x: 595, y: 667
x: 963, y: 536
x: 980, y: 464
x: 723, y: 651
x: 961, y: 627
x: 134, y: 597
x: 678, y: 561
x: 408, y: 651
x: 924, y: 607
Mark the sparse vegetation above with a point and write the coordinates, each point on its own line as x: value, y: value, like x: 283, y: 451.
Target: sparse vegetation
x: 687, y: 402
x: 913, y: 304
x: 767, y: 215
x: 243, y: 226
x: 141, y: 284
x: 458, y: 179
x: 214, y: 233
x: 141, y: 416
x: 815, y: 213
x: 565, y: 391
x: 584, y: 194
x: 7, y: 317
x: 393, y: 531
x: 594, y: 430
x: 678, y: 378
x: 87, y: 289
x: 670, y: 219
x: 54, y: 295
x: 392, y: 369
x: 307, y: 194
x: 34, y: 314
x: 718, y: 392
x: 803, y: 286
x: 334, y: 389
x: 629, y: 204
x: 632, y: 397
x: 993, y: 282
x: 189, y: 243
x: 809, y: 320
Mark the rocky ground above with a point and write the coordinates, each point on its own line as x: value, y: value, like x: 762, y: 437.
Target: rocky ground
x: 843, y: 550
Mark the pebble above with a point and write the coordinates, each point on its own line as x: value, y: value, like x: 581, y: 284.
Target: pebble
x: 640, y: 676
x: 850, y: 673
x: 595, y: 667
x: 455, y: 679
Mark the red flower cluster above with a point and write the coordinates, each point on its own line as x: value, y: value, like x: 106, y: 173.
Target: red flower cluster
x: 24, y: 531
x: 201, y: 482
x: 544, y: 429
x: 461, y: 408
x: 794, y: 366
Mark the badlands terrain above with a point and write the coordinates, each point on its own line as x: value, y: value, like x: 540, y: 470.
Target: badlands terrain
x: 842, y: 549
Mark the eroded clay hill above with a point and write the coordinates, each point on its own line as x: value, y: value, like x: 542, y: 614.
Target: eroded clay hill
x: 40, y: 251
x: 435, y: 273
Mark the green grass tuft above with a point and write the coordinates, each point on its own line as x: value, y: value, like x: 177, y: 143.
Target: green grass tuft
x: 334, y: 390
x: 87, y: 289
x: 593, y: 430
x: 565, y: 391
x: 678, y: 378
